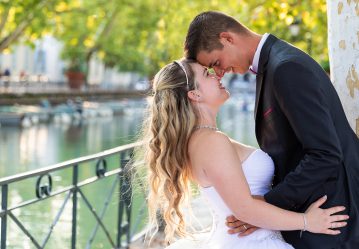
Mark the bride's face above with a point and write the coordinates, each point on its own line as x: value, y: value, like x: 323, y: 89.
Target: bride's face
x: 210, y: 88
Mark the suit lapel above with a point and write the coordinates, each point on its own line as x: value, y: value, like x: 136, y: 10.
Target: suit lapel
x: 262, y: 66
x: 259, y: 79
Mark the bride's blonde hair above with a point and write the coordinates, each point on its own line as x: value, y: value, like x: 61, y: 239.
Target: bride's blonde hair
x: 170, y: 123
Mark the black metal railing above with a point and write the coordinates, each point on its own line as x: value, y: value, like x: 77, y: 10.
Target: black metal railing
x: 44, y: 189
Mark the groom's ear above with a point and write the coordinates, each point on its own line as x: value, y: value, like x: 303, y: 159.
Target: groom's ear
x: 225, y: 37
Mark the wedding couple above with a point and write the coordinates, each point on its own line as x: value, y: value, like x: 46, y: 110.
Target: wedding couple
x: 299, y: 181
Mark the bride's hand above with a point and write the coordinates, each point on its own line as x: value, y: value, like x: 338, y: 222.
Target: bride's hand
x: 324, y: 221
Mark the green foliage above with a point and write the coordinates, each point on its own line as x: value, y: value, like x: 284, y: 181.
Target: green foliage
x: 25, y: 20
x: 261, y: 16
x: 144, y: 35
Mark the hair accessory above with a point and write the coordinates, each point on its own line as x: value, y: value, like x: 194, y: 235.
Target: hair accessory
x: 184, y: 70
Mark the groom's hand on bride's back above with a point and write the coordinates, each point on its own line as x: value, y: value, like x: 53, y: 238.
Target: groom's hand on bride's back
x: 241, y: 228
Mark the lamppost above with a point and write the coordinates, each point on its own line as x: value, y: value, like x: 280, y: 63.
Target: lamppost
x: 294, y: 28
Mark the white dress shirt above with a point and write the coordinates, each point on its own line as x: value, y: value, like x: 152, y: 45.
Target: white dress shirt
x: 254, y: 67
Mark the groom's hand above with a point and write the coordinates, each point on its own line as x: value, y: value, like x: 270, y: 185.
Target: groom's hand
x: 239, y: 227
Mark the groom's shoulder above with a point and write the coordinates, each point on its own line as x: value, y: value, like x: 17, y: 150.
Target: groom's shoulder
x: 284, y: 52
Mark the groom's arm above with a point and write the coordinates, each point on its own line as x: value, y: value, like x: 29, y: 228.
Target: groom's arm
x: 299, y: 93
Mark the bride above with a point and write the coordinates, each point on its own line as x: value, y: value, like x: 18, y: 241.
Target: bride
x: 183, y: 144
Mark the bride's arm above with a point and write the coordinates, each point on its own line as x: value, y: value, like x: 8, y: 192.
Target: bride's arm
x: 221, y: 166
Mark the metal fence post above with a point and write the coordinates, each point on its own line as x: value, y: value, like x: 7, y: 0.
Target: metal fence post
x: 129, y: 213
x: 4, y: 196
x: 74, y: 206
x: 125, y: 198
x: 128, y: 196
x: 120, y: 204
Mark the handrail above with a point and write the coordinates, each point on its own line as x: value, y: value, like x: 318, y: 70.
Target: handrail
x: 44, y: 190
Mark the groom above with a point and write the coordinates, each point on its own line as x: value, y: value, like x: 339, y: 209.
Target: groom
x: 300, y: 121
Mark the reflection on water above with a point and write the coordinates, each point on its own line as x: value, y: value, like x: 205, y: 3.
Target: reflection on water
x: 46, y: 144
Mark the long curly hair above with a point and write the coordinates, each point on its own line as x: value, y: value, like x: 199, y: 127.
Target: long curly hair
x: 170, y: 123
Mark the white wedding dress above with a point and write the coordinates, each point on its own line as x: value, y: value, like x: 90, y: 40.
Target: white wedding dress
x: 258, y: 169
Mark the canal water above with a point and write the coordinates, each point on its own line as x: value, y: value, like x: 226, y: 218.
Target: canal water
x: 24, y: 149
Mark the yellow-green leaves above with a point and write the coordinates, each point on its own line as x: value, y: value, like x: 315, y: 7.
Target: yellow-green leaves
x: 144, y: 35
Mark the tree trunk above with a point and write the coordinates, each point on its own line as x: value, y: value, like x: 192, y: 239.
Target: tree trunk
x: 343, y: 36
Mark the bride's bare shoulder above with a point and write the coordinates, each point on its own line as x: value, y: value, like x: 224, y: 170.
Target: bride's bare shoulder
x: 204, y: 149
x: 209, y: 143
x: 206, y: 138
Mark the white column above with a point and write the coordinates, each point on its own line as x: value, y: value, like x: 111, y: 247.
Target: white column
x: 343, y: 37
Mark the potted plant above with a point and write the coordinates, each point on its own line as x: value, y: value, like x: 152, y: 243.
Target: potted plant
x: 75, y: 73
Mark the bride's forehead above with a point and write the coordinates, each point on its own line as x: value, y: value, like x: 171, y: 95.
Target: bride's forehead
x: 198, y: 67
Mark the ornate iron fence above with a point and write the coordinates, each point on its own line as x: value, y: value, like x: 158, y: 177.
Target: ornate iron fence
x: 126, y: 229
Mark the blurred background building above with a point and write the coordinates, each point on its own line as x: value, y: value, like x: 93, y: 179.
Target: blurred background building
x: 43, y: 63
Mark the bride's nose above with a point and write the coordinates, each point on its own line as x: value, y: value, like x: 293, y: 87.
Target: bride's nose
x: 219, y: 72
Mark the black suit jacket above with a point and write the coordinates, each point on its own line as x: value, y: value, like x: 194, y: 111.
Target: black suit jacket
x: 301, y: 124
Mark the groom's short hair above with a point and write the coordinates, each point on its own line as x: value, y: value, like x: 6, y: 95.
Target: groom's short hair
x: 203, y: 32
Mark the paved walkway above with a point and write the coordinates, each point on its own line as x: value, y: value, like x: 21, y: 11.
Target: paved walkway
x: 200, y: 211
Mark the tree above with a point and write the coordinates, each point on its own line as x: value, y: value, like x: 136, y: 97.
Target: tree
x: 166, y: 43
x: 277, y: 17
x: 344, y: 53
x: 113, y: 31
x: 144, y: 35
x: 26, y: 19
x: 127, y: 45
x: 83, y: 32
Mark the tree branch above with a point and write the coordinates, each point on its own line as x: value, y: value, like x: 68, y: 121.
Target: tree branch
x: 104, y: 32
x: 11, y: 38
x: 70, y: 11
x: 4, y: 17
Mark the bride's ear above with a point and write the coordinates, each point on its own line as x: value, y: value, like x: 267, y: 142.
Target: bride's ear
x: 194, y: 95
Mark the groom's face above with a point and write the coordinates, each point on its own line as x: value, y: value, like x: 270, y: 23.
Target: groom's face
x: 230, y: 58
